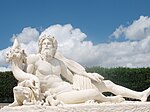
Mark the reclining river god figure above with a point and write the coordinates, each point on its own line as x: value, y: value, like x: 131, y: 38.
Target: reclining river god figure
x: 41, y: 79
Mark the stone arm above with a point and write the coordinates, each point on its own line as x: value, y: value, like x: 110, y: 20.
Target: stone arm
x: 79, y: 81
x: 31, y: 60
x: 66, y: 73
x: 75, y: 68
x: 30, y: 68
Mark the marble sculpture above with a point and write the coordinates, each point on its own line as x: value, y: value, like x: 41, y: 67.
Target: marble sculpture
x: 40, y: 79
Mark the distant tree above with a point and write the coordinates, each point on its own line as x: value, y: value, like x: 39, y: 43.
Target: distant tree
x: 7, y: 82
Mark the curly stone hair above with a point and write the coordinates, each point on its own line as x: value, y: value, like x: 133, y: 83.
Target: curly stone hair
x: 50, y: 38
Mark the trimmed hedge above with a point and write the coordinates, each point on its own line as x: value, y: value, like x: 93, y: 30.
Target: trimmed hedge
x: 134, y: 78
x: 7, y: 82
x: 137, y: 79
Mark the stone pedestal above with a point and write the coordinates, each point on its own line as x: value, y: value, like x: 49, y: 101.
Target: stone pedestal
x: 103, y: 107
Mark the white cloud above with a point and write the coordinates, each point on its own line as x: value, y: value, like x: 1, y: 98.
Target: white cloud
x: 138, y: 30
x: 73, y: 45
x: 28, y: 34
x: 119, y: 31
x: 64, y: 33
x: 108, y: 55
x: 30, y: 48
x: 3, y: 64
x: 3, y: 69
x: 28, y: 39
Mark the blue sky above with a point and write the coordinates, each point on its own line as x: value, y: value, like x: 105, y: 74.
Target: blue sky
x: 108, y: 33
x: 98, y: 19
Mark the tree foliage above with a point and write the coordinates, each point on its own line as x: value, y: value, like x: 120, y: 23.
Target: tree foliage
x: 137, y: 79
x: 7, y: 82
x: 134, y: 78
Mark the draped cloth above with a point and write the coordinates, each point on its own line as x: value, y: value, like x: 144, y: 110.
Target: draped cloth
x: 77, y: 73
x: 81, y: 82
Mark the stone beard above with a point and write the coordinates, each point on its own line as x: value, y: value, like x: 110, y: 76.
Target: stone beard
x: 48, y: 53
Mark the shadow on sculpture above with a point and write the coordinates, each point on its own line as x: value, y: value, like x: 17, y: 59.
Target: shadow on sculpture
x: 40, y: 82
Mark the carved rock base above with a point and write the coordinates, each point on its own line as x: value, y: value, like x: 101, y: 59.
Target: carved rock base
x: 126, y: 106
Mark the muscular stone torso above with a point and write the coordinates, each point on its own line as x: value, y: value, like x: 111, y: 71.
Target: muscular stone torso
x: 48, y: 73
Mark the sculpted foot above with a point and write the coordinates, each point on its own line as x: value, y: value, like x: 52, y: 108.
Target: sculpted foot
x: 117, y: 99
x: 145, y: 94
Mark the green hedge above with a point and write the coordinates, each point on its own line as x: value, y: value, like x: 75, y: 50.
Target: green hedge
x: 7, y: 82
x: 134, y: 78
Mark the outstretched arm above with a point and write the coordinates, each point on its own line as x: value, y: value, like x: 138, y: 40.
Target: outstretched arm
x: 66, y: 73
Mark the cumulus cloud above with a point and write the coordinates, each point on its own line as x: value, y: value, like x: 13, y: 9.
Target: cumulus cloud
x: 113, y: 54
x: 119, y: 31
x: 3, y: 64
x: 3, y: 69
x: 73, y: 45
x: 64, y: 34
x: 28, y: 34
x: 28, y: 39
x: 138, y: 30
x: 68, y: 38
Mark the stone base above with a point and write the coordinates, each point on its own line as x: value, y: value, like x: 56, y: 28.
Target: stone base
x: 126, y: 106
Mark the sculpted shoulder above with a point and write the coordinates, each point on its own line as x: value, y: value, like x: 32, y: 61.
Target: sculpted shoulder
x: 58, y: 61
x: 32, y: 58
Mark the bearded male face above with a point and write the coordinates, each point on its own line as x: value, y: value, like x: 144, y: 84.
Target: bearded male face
x: 48, y: 49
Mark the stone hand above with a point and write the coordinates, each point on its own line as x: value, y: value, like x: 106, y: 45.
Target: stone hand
x: 95, y: 76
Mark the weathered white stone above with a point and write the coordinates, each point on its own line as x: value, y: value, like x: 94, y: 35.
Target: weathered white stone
x: 103, y: 107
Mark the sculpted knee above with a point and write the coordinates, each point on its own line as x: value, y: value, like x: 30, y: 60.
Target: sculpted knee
x: 109, y: 84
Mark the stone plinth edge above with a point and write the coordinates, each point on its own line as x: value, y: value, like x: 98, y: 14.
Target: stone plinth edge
x: 103, y: 107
